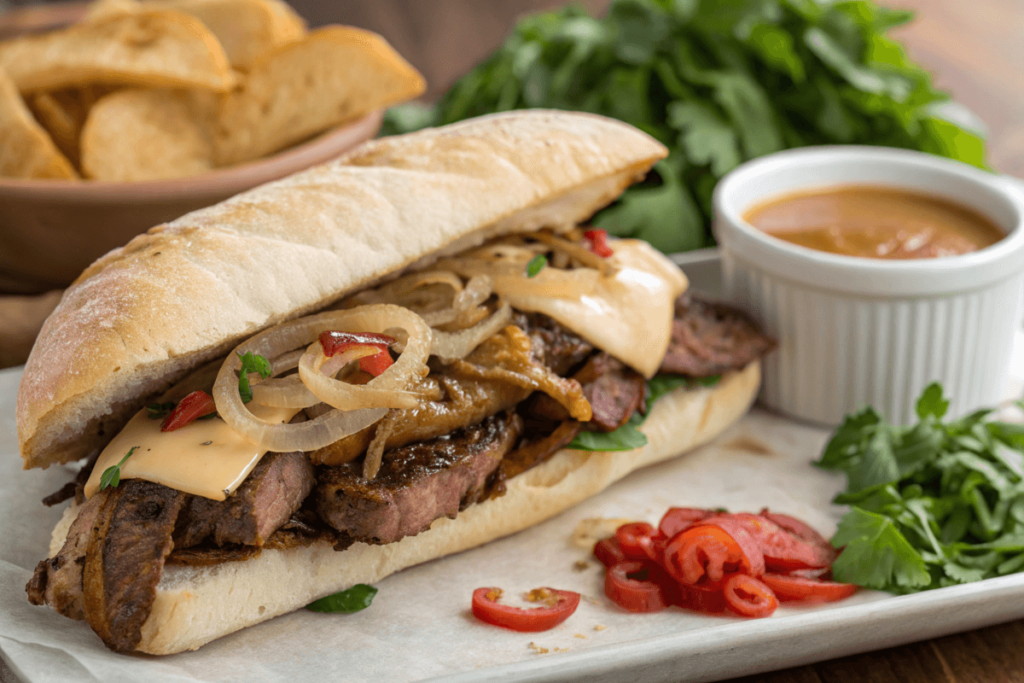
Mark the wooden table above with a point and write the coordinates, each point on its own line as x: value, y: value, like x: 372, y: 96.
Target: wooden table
x: 975, y: 49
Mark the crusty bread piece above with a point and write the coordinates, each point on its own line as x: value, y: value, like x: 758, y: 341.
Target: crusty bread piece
x: 186, y: 292
x: 195, y: 605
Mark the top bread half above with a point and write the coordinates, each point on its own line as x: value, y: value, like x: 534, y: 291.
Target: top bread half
x: 187, y: 292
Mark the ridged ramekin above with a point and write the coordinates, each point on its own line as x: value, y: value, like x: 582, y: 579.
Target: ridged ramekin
x: 855, y: 331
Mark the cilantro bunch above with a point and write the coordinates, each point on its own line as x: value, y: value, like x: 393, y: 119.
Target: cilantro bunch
x: 718, y: 82
x: 936, y: 504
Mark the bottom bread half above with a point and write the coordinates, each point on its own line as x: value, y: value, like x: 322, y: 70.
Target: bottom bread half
x: 195, y: 605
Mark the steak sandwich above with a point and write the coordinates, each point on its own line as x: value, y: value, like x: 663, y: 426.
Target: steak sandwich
x: 394, y: 357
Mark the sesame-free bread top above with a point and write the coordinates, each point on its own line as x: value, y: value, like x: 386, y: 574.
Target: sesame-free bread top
x: 188, y: 291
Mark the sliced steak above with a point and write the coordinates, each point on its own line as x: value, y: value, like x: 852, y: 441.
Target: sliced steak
x: 711, y: 338
x: 533, y: 452
x: 270, y: 495
x: 614, y: 391
x: 560, y: 349
x: 416, y: 484
x: 57, y: 581
x: 132, y: 536
x: 458, y: 401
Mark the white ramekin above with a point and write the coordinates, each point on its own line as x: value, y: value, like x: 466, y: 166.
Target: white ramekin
x: 853, y: 331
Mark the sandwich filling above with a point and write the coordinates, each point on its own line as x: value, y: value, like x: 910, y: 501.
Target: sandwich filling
x: 407, y: 403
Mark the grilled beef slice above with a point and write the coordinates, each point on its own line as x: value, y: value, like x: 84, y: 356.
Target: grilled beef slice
x: 710, y: 338
x: 416, y: 484
x: 560, y: 349
x: 130, y: 540
x: 113, y: 558
x: 271, y: 493
x: 614, y: 391
x: 58, y: 581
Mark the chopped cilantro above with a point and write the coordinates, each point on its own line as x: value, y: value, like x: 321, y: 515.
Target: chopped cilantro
x: 112, y: 475
x: 251, y: 363
x: 536, y: 265
x: 355, y: 599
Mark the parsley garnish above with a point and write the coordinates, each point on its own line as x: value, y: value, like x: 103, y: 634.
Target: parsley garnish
x: 159, y: 411
x: 935, y: 504
x: 112, y: 475
x: 718, y: 83
x: 251, y: 362
x: 355, y: 599
x: 536, y: 265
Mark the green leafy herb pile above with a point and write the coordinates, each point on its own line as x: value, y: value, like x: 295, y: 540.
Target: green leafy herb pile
x: 718, y: 82
x: 936, y: 504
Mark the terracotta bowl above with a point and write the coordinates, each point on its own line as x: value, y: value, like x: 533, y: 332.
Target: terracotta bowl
x: 50, y: 230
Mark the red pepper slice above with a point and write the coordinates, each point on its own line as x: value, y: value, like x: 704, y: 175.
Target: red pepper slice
x: 599, y: 242
x: 559, y: 606
x: 634, y: 539
x: 704, y: 554
x: 825, y: 553
x: 194, y: 406
x: 681, y: 519
x: 801, y: 589
x: 782, y: 549
x: 608, y: 552
x: 704, y: 599
x: 634, y: 587
x: 333, y: 342
x: 376, y: 364
x: 376, y: 360
x: 749, y: 597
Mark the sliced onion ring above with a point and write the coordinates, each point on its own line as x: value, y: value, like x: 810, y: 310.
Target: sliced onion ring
x: 333, y: 426
x: 387, y: 390
x: 453, y: 346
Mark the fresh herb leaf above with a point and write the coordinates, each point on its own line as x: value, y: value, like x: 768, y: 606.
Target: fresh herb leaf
x: 112, y: 475
x: 931, y: 402
x: 251, y: 363
x: 536, y: 264
x: 625, y: 438
x: 934, y: 504
x: 355, y: 599
x: 718, y: 83
x: 659, y: 385
x: 158, y: 411
x: 876, y: 554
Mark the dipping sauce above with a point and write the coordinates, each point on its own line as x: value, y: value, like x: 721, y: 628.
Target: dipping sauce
x: 875, y: 222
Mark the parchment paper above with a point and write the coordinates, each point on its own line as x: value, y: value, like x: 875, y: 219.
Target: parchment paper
x: 419, y: 626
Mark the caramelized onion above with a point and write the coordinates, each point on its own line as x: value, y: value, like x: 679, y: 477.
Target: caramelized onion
x: 375, y: 451
x: 453, y: 346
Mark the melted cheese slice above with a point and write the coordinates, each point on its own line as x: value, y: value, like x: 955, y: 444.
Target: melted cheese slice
x: 205, y: 458
x: 629, y: 315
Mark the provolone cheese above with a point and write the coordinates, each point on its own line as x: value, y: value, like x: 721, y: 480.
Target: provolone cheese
x: 205, y: 458
x: 629, y: 315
